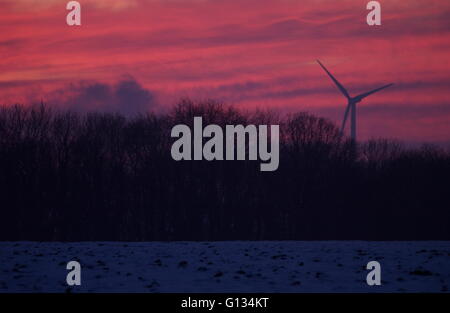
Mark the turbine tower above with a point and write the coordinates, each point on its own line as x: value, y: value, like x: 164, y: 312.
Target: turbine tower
x: 352, y: 101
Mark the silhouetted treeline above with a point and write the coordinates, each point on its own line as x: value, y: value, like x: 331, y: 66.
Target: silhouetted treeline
x: 97, y: 176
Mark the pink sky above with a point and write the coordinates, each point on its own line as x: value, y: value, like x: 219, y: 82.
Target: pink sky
x: 249, y: 53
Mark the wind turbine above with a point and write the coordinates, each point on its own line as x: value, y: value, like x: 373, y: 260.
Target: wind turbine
x: 352, y: 101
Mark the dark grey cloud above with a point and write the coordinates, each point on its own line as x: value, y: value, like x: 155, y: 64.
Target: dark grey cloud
x: 411, y: 111
x: 126, y: 96
x: 293, y: 88
x: 12, y: 43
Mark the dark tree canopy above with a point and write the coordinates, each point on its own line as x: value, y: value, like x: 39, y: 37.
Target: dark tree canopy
x: 101, y: 176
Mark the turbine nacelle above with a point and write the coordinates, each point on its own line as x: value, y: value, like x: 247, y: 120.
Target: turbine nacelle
x: 354, y: 100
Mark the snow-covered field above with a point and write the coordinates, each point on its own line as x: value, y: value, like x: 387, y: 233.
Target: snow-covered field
x: 264, y: 266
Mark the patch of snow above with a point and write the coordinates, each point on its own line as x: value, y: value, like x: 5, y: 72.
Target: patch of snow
x: 233, y: 266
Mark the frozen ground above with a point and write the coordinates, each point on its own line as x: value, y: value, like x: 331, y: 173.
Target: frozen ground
x: 267, y: 266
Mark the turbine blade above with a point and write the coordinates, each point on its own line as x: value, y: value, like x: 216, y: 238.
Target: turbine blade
x: 363, y: 95
x: 338, y: 84
x: 345, y: 118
